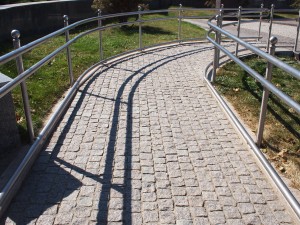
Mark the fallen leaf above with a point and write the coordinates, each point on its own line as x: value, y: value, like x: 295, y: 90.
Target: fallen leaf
x: 282, y: 169
x: 291, y: 110
x: 20, y: 120
x: 283, y: 155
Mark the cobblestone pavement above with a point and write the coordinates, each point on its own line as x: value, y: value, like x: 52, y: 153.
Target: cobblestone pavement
x: 285, y: 31
x: 144, y: 142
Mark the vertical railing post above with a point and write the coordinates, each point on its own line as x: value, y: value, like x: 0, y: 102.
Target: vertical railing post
x: 260, y: 20
x: 270, y: 26
x: 238, y: 29
x: 100, y: 34
x: 219, y: 34
x: 66, y: 23
x: 179, y: 22
x: 140, y: 28
x: 216, y: 51
x: 297, y: 34
x: 265, y: 96
x: 19, y: 61
x: 221, y: 16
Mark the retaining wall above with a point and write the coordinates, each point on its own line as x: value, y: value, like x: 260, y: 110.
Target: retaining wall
x: 40, y: 18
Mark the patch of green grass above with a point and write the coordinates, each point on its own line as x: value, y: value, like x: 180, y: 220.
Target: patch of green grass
x: 48, y: 84
x: 282, y: 127
x: 286, y: 15
x: 194, y: 12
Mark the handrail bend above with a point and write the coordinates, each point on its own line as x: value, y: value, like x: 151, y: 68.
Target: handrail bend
x: 268, y: 87
x: 15, y: 181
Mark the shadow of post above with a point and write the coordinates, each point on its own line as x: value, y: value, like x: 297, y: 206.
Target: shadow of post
x: 127, y: 187
x: 51, y: 181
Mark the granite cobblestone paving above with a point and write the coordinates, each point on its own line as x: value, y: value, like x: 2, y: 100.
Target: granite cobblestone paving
x: 144, y: 142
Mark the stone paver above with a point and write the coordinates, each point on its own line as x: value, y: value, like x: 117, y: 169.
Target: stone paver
x: 285, y: 31
x: 145, y: 142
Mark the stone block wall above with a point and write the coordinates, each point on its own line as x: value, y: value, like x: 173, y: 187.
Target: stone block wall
x: 9, y: 134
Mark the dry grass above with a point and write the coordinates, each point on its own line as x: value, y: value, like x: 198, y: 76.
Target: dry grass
x: 282, y: 129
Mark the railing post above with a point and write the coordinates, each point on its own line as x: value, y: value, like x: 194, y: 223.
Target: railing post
x: 260, y: 21
x: 216, y: 51
x: 270, y: 26
x: 179, y: 22
x: 221, y: 17
x: 297, y: 35
x: 140, y: 28
x: 100, y: 34
x: 66, y: 23
x: 19, y: 61
x: 265, y: 96
x: 219, y: 34
x: 238, y: 29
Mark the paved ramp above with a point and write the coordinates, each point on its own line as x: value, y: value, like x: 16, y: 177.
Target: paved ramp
x: 145, y: 142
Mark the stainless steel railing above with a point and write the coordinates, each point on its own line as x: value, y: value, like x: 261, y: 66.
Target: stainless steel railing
x: 19, y: 51
x: 268, y: 87
x: 15, y: 181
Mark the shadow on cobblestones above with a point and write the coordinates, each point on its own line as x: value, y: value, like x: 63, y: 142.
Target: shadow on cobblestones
x: 126, y: 189
x: 52, y: 181
x: 276, y: 102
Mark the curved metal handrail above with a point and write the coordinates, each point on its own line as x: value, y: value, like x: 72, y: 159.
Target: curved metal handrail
x: 267, y: 84
x: 12, y: 55
x: 16, y: 179
x: 289, y: 69
x: 26, y: 74
x: 22, y: 50
x: 268, y: 87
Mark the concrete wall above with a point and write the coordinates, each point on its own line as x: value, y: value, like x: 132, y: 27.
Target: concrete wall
x: 283, y: 4
x: 45, y: 17
x: 9, y: 134
x: 188, y: 3
x: 235, y: 3
x: 41, y: 17
x: 159, y: 4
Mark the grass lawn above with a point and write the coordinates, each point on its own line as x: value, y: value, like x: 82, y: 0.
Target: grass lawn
x: 47, y: 85
x: 286, y: 15
x: 282, y: 130
x: 194, y: 11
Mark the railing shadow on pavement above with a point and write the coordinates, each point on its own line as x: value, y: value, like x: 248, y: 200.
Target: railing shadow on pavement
x: 16, y: 180
x: 60, y: 184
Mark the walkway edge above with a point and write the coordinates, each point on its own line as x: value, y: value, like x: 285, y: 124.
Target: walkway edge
x: 14, y: 183
x: 267, y: 168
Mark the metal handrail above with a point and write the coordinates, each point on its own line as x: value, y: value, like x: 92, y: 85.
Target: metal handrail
x: 268, y: 86
x: 291, y: 70
x: 19, y: 51
x: 28, y: 160
x: 22, y: 50
x: 15, y: 181
x: 23, y: 76
x: 12, y: 55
